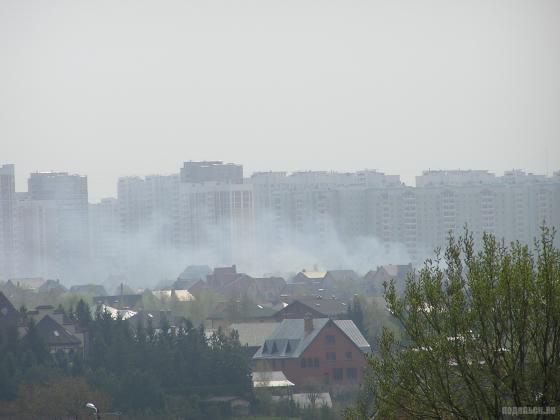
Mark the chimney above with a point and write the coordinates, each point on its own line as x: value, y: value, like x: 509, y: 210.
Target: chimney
x: 308, y: 323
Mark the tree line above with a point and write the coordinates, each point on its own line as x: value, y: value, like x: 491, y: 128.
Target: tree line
x: 141, y: 371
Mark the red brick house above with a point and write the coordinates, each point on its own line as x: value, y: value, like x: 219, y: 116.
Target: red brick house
x: 321, y: 351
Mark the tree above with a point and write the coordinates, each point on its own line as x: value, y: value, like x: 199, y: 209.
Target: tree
x: 481, y: 331
x: 83, y: 313
x: 356, y: 314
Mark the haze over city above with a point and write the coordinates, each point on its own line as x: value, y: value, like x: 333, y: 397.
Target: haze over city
x: 114, y: 89
x: 279, y: 209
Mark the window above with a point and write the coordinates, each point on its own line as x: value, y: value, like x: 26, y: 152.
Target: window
x: 274, y: 364
x: 348, y: 355
x: 351, y: 374
x: 309, y: 362
x: 303, y: 363
x: 316, y: 362
x: 329, y: 339
x: 282, y: 364
x: 337, y: 374
x: 331, y: 356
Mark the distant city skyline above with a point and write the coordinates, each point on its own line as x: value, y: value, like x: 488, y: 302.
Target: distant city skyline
x: 111, y: 89
x: 21, y: 179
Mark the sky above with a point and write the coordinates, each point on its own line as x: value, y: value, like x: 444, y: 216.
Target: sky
x: 116, y: 88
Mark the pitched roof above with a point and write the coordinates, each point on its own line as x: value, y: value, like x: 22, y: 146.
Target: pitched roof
x: 95, y: 289
x: 54, y: 334
x: 351, y: 330
x: 342, y: 275
x: 220, y: 311
x: 49, y: 285
x: 128, y: 301
x: 180, y: 295
x: 114, y: 312
x: 254, y: 333
x: 194, y: 272
x: 289, y: 339
x: 186, y: 284
x: 270, y: 379
x: 263, y: 286
x: 315, y: 275
x: 31, y: 283
x: 9, y: 316
x: 325, y: 306
x: 397, y: 271
x: 157, y: 319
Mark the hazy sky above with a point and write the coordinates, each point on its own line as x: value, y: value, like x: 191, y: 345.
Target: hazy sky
x: 114, y: 88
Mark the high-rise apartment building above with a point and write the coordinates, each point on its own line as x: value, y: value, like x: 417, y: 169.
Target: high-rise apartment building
x: 208, y: 214
x: 314, y: 208
x: 212, y: 171
x: 105, y: 237
x: 60, y: 200
x: 8, y: 238
x: 194, y: 216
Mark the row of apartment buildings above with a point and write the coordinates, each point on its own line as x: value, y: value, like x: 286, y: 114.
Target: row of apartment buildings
x: 210, y: 209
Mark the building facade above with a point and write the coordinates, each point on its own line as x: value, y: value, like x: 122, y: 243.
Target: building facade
x: 8, y: 220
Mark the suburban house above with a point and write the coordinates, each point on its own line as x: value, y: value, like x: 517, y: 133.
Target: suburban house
x: 195, y: 272
x: 340, y: 281
x: 315, y: 352
x: 261, y: 289
x: 221, y: 276
x: 374, y: 279
x: 225, y: 313
x: 59, y: 338
x: 51, y: 286
x: 28, y: 283
x: 193, y: 279
x: 308, y: 278
x: 193, y: 286
x: 60, y: 333
x: 317, y: 307
x: 9, y: 317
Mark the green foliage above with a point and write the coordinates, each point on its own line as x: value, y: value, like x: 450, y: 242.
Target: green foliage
x: 356, y: 314
x: 480, y: 331
x: 146, y: 371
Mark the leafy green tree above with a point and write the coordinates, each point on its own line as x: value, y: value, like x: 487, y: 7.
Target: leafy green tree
x: 481, y: 331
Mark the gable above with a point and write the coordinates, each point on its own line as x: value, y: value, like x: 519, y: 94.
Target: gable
x: 9, y: 316
x: 297, y: 309
x: 342, y: 339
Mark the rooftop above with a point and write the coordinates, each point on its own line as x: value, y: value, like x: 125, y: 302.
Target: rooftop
x: 254, y: 334
x: 289, y: 339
